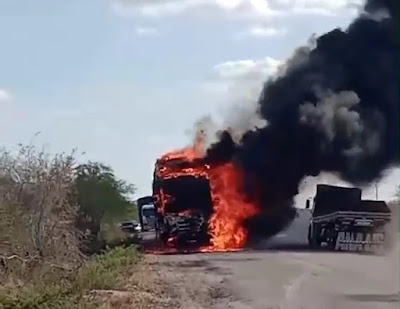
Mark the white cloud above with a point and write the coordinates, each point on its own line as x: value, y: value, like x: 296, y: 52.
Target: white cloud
x: 320, y: 7
x: 235, y: 8
x: 262, y: 31
x: 155, y: 8
x: 241, y: 79
x: 146, y: 31
x: 247, y: 70
x: 5, y: 96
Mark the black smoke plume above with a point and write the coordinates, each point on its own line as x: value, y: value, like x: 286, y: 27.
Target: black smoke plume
x: 333, y: 107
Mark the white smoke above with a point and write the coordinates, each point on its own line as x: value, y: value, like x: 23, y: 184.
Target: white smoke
x: 204, y: 133
x: 238, y: 85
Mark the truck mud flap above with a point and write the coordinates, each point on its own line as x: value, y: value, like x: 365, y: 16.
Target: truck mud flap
x: 360, y: 242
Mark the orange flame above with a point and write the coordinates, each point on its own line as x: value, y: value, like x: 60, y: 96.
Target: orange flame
x: 231, y: 208
x: 191, y: 153
x: 164, y: 200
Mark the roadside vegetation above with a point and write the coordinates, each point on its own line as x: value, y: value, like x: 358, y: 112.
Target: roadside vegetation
x: 72, y: 288
x: 58, y: 220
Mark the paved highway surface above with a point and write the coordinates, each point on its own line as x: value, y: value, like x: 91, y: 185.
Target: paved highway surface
x: 291, y: 280
x: 287, y: 279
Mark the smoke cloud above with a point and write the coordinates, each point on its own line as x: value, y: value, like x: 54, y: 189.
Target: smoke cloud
x: 333, y: 107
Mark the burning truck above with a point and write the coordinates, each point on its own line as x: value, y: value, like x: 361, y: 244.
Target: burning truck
x: 183, y: 202
x: 198, y: 202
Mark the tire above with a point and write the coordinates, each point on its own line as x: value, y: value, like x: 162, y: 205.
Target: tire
x: 332, y: 240
x: 158, y: 235
x: 164, y: 238
x: 313, y: 238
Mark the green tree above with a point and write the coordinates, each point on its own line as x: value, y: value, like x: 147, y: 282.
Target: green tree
x: 102, y: 198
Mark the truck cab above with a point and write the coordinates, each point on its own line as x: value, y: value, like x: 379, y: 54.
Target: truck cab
x: 149, y: 217
x: 146, y: 213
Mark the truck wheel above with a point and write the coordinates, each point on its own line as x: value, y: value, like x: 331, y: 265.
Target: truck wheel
x: 313, y: 238
x: 164, y: 238
x: 331, y: 245
x: 158, y: 235
x: 332, y: 240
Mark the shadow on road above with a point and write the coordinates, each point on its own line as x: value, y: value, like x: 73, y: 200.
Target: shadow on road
x: 384, y: 298
x: 155, y: 247
x: 150, y: 245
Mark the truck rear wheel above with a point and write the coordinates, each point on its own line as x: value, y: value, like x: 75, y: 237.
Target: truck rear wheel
x: 332, y: 239
x: 314, y: 240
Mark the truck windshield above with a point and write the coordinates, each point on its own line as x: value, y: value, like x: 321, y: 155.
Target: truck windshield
x: 188, y: 192
x: 148, y: 212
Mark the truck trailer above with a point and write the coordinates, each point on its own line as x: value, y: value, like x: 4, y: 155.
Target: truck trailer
x: 345, y: 222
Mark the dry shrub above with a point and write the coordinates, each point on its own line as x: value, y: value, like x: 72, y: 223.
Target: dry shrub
x: 37, y: 215
x: 102, y: 274
x: 41, y: 265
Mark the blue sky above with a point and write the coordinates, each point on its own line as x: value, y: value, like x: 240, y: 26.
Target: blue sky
x: 125, y: 80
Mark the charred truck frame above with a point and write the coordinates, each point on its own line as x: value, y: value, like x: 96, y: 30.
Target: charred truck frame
x: 183, y: 204
x: 345, y: 222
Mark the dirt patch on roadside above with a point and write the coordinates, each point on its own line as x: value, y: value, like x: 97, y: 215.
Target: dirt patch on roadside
x: 141, y: 287
x: 156, y: 282
x: 193, y: 284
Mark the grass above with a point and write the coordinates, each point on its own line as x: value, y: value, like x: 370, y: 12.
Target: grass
x: 100, y: 273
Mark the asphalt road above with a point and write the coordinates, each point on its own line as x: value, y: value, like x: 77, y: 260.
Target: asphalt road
x: 292, y: 280
x: 287, y: 278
